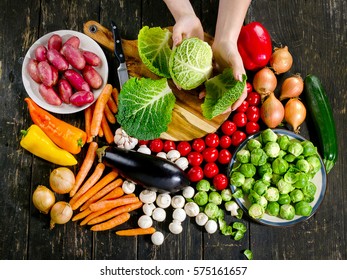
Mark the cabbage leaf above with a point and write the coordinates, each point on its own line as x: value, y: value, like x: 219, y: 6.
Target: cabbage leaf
x: 154, y: 45
x: 145, y: 107
x: 191, y: 63
x: 221, y: 92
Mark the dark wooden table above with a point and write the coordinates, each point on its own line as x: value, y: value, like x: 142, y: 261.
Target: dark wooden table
x: 314, y: 30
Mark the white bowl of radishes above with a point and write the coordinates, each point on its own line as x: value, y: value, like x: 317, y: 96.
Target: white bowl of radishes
x: 64, y: 71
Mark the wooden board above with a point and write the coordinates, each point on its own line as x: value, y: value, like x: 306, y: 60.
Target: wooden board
x: 187, y: 120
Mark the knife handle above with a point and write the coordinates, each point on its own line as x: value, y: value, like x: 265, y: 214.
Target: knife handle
x: 118, y: 50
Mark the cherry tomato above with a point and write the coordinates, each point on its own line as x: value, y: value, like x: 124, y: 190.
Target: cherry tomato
x: 184, y: 148
x: 212, y: 140
x: 211, y: 169
x: 220, y: 181
x: 169, y: 145
x: 253, y: 113
x: 224, y: 156
x: 237, y: 137
x: 156, y: 145
x: 195, y: 174
x: 210, y: 154
x: 143, y: 142
x: 252, y: 127
x: 225, y: 141
x: 240, y: 119
x: 249, y: 87
x: 228, y: 127
x: 243, y: 107
x: 195, y: 158
x: 253, y: 98
x: 198, y: 145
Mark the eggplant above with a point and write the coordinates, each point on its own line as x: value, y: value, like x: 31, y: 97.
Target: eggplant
x: 151, y: 172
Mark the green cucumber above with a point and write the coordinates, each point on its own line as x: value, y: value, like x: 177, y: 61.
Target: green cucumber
x: 323, y: 120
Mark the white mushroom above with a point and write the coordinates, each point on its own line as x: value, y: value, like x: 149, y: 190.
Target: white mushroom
x: 211, y: 226
x: 179, y: 214
x: 173, y: 155
x: 148, y: 196
x: 128, y: 187
x: 144, y: 149
x: 192, y: 209
x: 188, y: 192
x: 163, y: 200
x: 182, y: 163
x: 159, y: 214
x: 145, y: 221
x: 157, y: 238
x: 201, y: 219
x: 175, y: 227
x: 232, y: 207
x: 178, y: 201
x: 148, y: 208
x: 162, y: 155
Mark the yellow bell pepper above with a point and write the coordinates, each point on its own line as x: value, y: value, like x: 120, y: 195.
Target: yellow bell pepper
x: 38, y: 143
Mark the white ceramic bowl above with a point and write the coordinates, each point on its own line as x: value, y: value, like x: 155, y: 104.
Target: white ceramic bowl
x: 32, y: 88
x: 319, y: 180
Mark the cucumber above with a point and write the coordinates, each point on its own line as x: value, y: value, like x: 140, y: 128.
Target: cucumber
x: 323, y: 120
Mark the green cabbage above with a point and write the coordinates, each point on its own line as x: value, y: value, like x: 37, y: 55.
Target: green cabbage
x: 221, y: 92
x: 145, y: 107
x: 154, y: 45
x: 191, y: 63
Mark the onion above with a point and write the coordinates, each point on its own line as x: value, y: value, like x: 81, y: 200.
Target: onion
x: 292, y: 87
x: 62, y: 180
x: 264, y: 82
x: 43, y: 199
x: 294, y: 113
x: 281, y: 60
x: 61, y: 213
x: 272, y: 111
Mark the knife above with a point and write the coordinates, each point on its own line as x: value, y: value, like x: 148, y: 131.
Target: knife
x: 118, y: 51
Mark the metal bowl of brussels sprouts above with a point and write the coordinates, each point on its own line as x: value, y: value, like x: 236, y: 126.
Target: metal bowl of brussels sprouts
x: 277, y: 177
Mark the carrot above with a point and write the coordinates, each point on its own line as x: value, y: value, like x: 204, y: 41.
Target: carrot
x: 82, y: 214
x: 109, y: 115
x: 100, y: 132
x: 85, y: 167
x: 116, y: 221
x: 97, y: 187
x: 99, y: 109
x: 91, y: 181
x: 115, y: 212
x: 115, y: 94
x: 112, y: 105
x: 88, y: 114
x: 109, y: 204
x: 136, y: 231
x: 107, y: 130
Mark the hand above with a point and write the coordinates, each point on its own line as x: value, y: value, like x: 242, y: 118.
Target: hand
x: 226, y: 55
x: 187, y: 26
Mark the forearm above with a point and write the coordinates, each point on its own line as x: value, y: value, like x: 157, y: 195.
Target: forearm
x: 179, y: 8
x: 231, y: 15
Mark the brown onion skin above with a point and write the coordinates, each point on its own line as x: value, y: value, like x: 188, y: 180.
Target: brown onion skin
x: 43, y: 199
x: 264, y: 81
x: 292, y: 87
x: 295, y: 113
x: 61, y: 213
x: 281, y: 60
x: 62, y: 180
x: 272, y: 111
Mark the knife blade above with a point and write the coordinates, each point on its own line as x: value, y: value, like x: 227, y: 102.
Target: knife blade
x: 122, y: 70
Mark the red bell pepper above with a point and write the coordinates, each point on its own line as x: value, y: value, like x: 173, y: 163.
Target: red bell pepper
x: 254, y: 45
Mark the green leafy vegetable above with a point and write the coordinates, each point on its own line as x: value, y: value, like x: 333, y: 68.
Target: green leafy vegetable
x: 221, y: 92
x: 191, y: 63
x: 145, y: 107
x: 155, y: 49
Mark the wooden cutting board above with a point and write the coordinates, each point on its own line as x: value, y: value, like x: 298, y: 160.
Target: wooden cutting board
x: 187, y: 123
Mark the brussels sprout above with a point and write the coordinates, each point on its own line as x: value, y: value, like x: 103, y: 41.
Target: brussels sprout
x: 253, y: 144
x: 260, y: 186
x: 309, y: 189
x: 289, y: 158
x: 275, y: 178
x: 256, y: 211
x: 302, y: 181
x: 248, y: 169
x: 287, y: 211
x: 284, y: 198
x: 215, y: 197
x: 265, y: 168
x: 282, y: 154
x: 262, y: 201
x: 272, y: 194
x: 203, y: 185
x: 295, y: 148
x: 201, y: 198
x: 314, y: 163
x: 239, y: 226
x: 309, y: 148
x: 249, y: 254
x: 283, y: 141
x: 273, y: 208
x: 268, y: 135
x: 211, y: 210
x: 226, y: 195
x: 239, y: 235
x: 284, y: 187
x: 303, y: 208
x: 296, y: 195
x: 238, y: 194
x: 253, y: 197
x: 258, y: 157
x: 303, y: 165
x: 267, y: 177
x: 279, y: 166
x: 308, y: 199
x: 248, y: 184
x: 243, y: 156
x: 237, y: 179
x: 290, y: 176
x: 272, y: 149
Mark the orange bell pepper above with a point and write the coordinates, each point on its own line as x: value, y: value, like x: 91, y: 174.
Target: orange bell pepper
x: 64, y: 135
